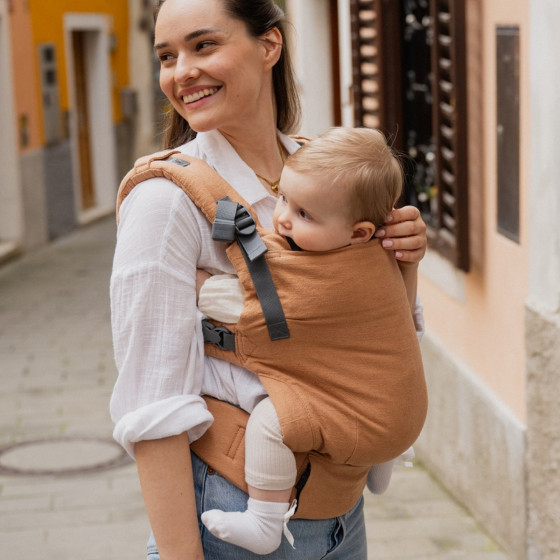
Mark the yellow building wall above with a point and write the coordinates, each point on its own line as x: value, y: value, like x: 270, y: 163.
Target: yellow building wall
x: 27, y: 115
x: 48, y: 26
x: 485, y: 329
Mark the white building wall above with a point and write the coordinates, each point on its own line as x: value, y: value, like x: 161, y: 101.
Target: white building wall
x: 311, y: 52
x: 543, y: 303
x: 11, y: 203
x: 545, y: 175
x: 345, y: 51
x: 141, y: 77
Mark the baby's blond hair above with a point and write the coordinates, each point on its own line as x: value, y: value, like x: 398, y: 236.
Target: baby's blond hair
x: 360, y: 161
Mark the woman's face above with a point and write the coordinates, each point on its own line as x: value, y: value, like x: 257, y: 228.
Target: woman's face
x: 213, y: 72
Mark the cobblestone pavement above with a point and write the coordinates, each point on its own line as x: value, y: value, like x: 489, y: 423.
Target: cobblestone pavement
x: 64, y: 492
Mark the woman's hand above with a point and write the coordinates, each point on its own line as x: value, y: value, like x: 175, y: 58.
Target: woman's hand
x: 404, y: 233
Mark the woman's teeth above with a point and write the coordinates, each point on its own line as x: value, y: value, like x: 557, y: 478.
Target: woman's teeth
x: 199, y: 95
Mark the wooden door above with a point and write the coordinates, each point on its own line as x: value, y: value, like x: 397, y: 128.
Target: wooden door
x: 79, y: 47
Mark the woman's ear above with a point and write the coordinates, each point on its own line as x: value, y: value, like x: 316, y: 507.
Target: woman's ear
x: 272, y: 41
x: 362, y: 232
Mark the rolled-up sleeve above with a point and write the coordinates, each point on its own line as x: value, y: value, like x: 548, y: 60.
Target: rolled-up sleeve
x: 156, y: 326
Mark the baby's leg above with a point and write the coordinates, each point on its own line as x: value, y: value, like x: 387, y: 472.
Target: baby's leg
x: 270, y: 471
x: 379, y: 476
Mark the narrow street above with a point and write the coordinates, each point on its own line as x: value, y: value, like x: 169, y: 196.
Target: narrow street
x: 66, y: 491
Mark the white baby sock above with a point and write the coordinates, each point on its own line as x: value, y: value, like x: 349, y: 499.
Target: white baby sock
x: 258, y: 529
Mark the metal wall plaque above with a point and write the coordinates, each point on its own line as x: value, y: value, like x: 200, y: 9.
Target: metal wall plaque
x: 507, y: 52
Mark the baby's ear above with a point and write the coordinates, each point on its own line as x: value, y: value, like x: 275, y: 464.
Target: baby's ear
x: 362, y: 232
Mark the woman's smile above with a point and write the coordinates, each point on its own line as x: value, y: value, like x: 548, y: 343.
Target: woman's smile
x: 200, y: 94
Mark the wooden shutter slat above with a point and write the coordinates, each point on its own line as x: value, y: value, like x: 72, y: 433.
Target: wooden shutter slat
x: 445, y: 64
x: 448, y: 199
x: 448, y: 177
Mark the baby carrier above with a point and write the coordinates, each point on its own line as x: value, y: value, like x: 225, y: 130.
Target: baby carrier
x: 330, y: 335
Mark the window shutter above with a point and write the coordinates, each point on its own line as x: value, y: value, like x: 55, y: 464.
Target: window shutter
x: 450, y: 235
x: 365, y: 18
x: 378, y: 66
x: 376, y: 52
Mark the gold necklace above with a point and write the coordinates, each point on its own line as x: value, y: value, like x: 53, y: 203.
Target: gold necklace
x: 274, y: 184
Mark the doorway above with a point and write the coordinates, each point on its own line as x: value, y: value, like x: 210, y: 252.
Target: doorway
x: 91, y: 124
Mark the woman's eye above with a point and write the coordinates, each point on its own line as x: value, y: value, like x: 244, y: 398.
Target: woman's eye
x: 164, y: 57
x: 204, y: 45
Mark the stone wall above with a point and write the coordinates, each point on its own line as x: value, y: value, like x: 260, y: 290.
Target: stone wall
x: 543, y: 435
x: 475, y: 446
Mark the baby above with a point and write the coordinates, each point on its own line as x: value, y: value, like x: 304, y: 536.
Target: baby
x: 333, y: 193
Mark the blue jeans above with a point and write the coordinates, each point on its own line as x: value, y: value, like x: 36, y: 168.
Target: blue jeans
x: 339, y: 538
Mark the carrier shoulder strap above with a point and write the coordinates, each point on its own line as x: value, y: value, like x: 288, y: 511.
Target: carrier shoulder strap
x: 201, y: 183
x: 232, y: 219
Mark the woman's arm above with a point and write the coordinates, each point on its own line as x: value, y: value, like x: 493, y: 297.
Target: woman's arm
x: 404, y: 233
x: 159, y: 357
x: 165, y: 472
x: 409, y: 272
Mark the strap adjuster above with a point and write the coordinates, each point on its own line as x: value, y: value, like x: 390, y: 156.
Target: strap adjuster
x: 221, y: 337
x: 223, y: 228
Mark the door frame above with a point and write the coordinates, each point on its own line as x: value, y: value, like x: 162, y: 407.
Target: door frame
x: 100, y: 108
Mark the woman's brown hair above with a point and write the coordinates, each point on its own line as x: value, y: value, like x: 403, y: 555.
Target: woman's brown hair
x: 259, y: 16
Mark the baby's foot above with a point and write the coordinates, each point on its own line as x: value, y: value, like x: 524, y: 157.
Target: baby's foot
x: 258, y: 529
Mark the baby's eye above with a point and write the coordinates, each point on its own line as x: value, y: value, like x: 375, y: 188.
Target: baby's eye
x: 303, y: 214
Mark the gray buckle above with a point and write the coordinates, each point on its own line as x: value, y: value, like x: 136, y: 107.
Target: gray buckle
x: 221, y: 337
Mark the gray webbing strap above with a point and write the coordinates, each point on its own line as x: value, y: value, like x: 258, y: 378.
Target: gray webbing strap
x: 234, y: 221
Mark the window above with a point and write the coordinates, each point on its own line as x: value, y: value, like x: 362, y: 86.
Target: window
x: 410, y: 81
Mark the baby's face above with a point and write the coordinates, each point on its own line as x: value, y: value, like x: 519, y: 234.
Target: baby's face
x: 312, y: 213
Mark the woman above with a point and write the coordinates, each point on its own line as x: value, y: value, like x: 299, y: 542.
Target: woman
x: 227, y: 75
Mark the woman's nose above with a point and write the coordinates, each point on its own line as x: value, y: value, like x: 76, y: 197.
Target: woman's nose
x: 185, y: 70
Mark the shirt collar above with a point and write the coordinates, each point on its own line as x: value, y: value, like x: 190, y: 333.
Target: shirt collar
x: 212, y: 147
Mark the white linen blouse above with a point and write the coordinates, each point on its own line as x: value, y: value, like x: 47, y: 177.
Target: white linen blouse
x: 162, y: 238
